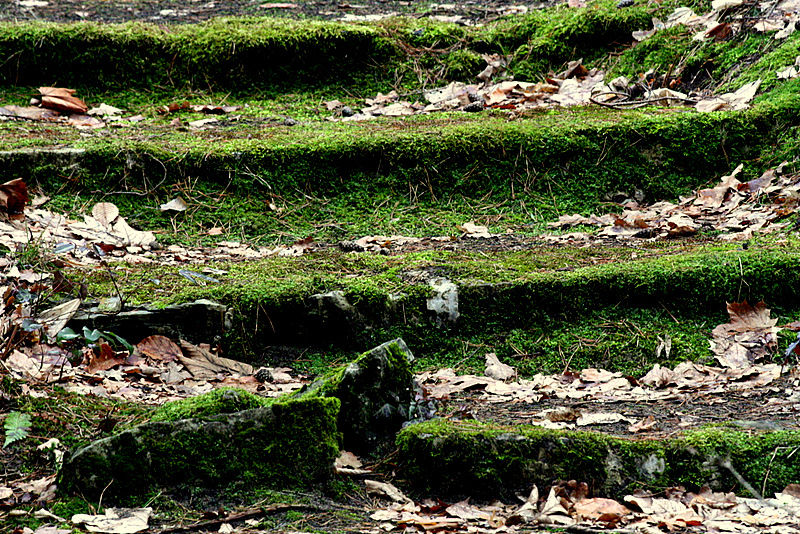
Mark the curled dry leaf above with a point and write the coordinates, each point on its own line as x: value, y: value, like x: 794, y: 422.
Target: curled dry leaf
x: 497, y: 369
x: 203, y: 364
x: 385, y: 489
x: 473, y: 230
x: 647, y: 423
x: 176, y: 204
x: 101, y: 359
x: 13, y: 196
x: 160, y: 348
x: 56, y: 318
x: 61, y: 99
x: 600, y: 509
x: 347, y: 459
x: 105, y: 213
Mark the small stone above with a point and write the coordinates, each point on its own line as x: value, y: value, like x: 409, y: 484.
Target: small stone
x: 347, y: 111
x: 473, y: 106
x: 351, y: 246
x: 288, y: 121
x: 624, y: 3
x: 263, y: 375
x: 110, y: 305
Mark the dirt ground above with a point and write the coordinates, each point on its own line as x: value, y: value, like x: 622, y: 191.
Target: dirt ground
x: 752, y: 409
x: 167, y: 11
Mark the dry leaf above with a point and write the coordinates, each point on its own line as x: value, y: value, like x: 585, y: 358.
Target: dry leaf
x: 498, y: 370
x: 600, y: 418
x: 61, y: 99
x: 347, y: 459
x: 105, y: 360
x: 13, y: 196
x: 203, y: 364
x: 384, y: 489
x: 176, y: 204
x: 56, y: 318
x: 105, y: 213
x: 606, y: 510
x: 471, y: 229
x: 647, y: 423
x: 115, y: 520
x: 160, y: 348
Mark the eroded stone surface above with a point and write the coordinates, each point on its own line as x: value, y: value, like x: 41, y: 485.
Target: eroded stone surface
x: 376, y: 391
x: 200, y: 321
x: 289, y: 443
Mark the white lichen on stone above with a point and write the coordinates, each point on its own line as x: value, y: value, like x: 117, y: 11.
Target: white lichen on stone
x: 444, y: 302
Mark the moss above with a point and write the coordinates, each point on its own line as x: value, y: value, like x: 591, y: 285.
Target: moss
x: 325, y: 178
x: 219, y: 401
x: 277, y: 52
x: 75, y: 419
x: 492, y: 459
x: 564, y: 304
x: 375, y: 391
x: 287, y: 444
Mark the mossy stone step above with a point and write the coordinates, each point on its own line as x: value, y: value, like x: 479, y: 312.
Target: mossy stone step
x: 467, y: 458
x: 282, y: 444
x: 438, y: 300
x: 264, y: 52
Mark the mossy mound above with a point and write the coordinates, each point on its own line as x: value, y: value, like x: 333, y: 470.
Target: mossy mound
x: 376, y: 391
x: 277, y: 52
x: 527, y: 305
x: 459, y: 458
x: 290, y: 443
x: 219, y: 401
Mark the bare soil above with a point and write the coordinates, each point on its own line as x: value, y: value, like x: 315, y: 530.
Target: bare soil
x: 767, y: 408
x: 171, y: 11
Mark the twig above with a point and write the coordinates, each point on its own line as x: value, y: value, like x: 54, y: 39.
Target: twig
x: 635, y: 103
x: 726, y: 464
x: 578, y: 529
x: 241, y: 516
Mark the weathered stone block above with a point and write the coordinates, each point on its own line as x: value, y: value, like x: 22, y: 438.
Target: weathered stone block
x: 376, y: 391
x: 288, y: 443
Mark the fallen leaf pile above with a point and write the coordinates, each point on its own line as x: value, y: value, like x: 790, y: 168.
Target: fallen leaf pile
x: 58, y: 104
x: 55, y: 104
x: 748, y: 338
x: 574, y: 86
x: 738, y: 209
x: 729, y: 17
x: 601, y: 385
x: 158, y: 371
x: 568, y: 504
x: 105, y: 234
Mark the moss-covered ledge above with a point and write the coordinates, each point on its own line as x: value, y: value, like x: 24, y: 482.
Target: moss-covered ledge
x: 306, y: 300
x: 261, y: 51
x: 470, y: 457
x: 283, y: 444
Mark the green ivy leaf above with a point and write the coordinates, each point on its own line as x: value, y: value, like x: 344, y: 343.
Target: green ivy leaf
x: 66, y: 334
x: 17, y: 426
x: 120, y: 340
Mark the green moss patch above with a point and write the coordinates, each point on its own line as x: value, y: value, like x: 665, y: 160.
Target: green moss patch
x: 219, y: 401
x: 564, y: 308
x: 278, y: 52
x: 287, y: 444
x: 323, y: 179
x: 375, y: 391
x: 466, y: 457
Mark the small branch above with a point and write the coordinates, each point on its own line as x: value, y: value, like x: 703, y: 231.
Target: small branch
x: 625, y: 104
x: 241, y: 516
